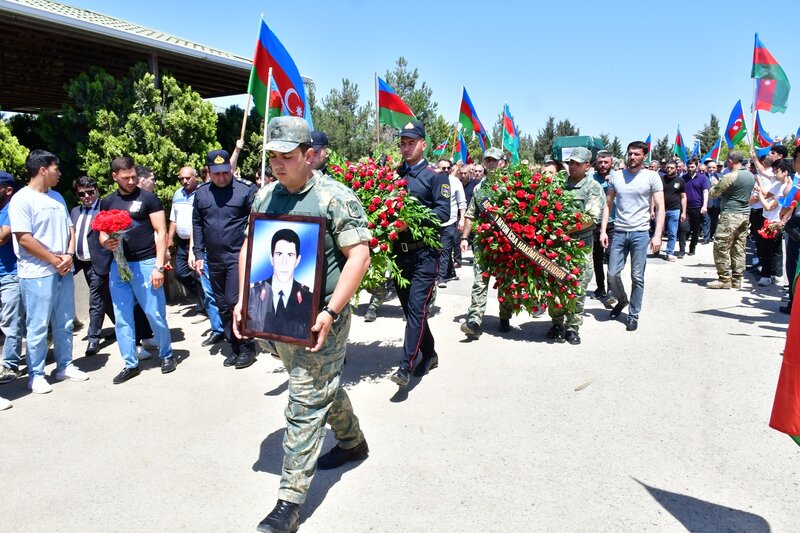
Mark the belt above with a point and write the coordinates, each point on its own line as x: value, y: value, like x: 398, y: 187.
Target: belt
x: 411, y: 246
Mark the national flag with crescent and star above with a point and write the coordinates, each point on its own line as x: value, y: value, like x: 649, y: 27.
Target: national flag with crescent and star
x: 468, y: 118
x: 679, y: 149
x: 736, y: 129
x: 695, y: 150
x: 462, y: 152
x: 440, y: 150
x: 772, y: 85
x: 276, y: 107
x: 270, y: 53
x: 761, y: 138
x: 797, y: 138
x: 649, y: 143
x: 714, y: 152
x: 392, y: 111
x: 510, y: 135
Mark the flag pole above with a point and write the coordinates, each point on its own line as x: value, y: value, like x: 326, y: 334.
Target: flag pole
x: 244, y: 118
x: 266, y: 120
x: 502, y: 129
x: 753, y: 117
x: 377, y: 114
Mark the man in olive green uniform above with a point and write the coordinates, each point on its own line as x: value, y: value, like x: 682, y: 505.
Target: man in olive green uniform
x: 730, y: 239
x: 480, y: 285
x: 315, y: 394
x: 591, y: 200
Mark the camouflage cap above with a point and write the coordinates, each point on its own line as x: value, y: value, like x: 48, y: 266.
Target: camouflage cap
x: 494, y: 153
x: 581, y: 155
x: 284, y: 134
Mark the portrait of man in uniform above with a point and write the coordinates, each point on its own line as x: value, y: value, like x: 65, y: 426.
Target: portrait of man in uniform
x: 282, y: 304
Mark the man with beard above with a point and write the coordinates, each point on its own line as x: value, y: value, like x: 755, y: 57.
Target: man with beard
x: 674, y: 204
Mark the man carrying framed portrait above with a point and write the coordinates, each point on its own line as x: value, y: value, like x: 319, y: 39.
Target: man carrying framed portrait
x: 315, y: 394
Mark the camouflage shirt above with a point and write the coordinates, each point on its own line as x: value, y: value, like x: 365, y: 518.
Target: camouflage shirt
x: 345, y: 222
x: 589, y: 195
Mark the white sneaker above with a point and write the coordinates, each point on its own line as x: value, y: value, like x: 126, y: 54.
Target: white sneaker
x: 776, y: 280
x: 4, y: 404
x: 671, y: 258
x: 764, y: 282
x: 39, y: 385
x: 150, y: 344
x: 72, y: 373
x: 142, y: 354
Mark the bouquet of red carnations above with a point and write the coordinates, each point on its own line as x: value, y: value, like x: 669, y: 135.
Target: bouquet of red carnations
x: 115, y: 224
x: 769, y: 230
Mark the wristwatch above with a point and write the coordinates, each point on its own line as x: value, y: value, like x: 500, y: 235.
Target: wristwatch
x: 333, y: 313
x: 160, y: 269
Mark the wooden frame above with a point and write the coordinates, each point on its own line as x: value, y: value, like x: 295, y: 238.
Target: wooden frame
x: 267, y: 311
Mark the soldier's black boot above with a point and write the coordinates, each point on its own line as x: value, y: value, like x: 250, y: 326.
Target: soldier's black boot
x: 284, y: 518
x: 505, y: 325
x: 337, y: 456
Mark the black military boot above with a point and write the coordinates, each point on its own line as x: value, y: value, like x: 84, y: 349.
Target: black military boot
x: 284, y: 518
x: 337, y: 456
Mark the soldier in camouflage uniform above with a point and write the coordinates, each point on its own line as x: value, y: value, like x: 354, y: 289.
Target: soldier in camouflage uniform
x: 591, y: 200
x: 730, y: 239
x: 480, y: 285
x: 315, y: 394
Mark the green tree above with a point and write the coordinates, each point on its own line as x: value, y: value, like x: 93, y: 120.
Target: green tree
x: 12, y: 153
x: 348, y: 125
x: 662, y: 149
x: 708, y: 135
x: 616, y: 148
x: 605, y: 139
x: 543, y: 146
x: 565, y: 128
x: 418, y: 98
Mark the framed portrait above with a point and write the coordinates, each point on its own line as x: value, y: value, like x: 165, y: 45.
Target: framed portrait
x: 283, y: 277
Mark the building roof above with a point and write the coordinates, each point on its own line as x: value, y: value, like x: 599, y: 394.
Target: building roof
x: 44, y: 44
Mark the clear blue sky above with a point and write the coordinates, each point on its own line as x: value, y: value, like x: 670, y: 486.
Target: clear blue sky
x: 625, y: 68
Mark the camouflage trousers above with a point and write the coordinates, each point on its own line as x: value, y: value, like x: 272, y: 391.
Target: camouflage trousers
x: 730, y: 241
x: 574, y: 320
x: 480, y: 291
x: 315, y: 397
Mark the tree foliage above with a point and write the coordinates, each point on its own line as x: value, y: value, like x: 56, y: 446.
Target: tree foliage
x: 543, y: 145
x: 708, y: 135
x: 12, y: 153
x: 349, y: 125
x: 662, y: 148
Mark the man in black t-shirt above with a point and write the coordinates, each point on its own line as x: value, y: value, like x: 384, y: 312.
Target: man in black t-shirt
x: 144, y: 248
x: 674, y: 206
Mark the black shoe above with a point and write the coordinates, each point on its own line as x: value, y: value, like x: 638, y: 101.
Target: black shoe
x: 213, y: 339
x: 168, y: 365
x: 244, y: 360
x: 230, y: 360
x: 472, y: 329
x: 337, y: 456
x: 371, y: 315
x: 92, y: 348
x: 284, y: 518
x: 617, y: 310
x: 126, y: 374
x: 633, y: 324
x: 691, y: 252
x: 599, y: 293
x: 572, y: 337
x: 785, y: 309
x: 680, y: 254
x: 400, y: 377
x: 556, y: 333
x: 505, y: 325
x: 426, y: 366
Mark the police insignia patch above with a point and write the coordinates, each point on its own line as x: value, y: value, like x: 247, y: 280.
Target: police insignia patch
x: 408, y: 126
x: 219, y: 160
x: 446, y: 190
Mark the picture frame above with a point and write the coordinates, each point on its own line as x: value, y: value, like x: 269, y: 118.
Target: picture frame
x: 284, y: 254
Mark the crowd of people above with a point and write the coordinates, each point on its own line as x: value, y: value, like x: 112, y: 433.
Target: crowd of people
x: 633, y: 207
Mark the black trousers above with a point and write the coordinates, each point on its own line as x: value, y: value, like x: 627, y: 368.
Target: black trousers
x: 600, y: 256
x: 695, y: 227
x: 224, y: 275
x: 420, y: 267
x: 185, y: 275
x: 99, y: 298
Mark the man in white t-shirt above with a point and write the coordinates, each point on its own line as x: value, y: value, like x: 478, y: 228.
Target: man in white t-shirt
x: 630, y: 192
x: 44, y: 240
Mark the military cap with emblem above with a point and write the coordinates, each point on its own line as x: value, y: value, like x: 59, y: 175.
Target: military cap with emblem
x: 494, y: 153
x: 284, y: 134
x: 414, y: 129
x: 581, y: 155
x: 218, y: 161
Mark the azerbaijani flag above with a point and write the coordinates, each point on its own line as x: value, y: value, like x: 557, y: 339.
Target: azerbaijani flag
x: 441, y: 149
x: 786, y: 407
x: 391, y: 108
x: 695, y: 150
x: 462, y: 152
x: 679, y: 149
x: 797, y: 139
x: 761, y: 138
x: 736, y: 129
x: 772, y: 85
x: 276, y: 108
x: 469, y: 119
x: 510, y: 135
x: 714, y: 152
x: 649, y: 143
x: 270, y: 53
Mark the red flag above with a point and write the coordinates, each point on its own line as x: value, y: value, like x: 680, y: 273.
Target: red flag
x: 786, y: 408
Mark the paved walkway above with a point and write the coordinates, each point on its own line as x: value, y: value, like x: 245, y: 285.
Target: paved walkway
x: 664, y: 429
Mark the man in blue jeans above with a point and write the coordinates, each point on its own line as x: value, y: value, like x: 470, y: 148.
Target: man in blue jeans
x: 10, y: 302
x: 675, y: 205
x: 631, y: 192
x: 45, y: 249
x: 145, y: 256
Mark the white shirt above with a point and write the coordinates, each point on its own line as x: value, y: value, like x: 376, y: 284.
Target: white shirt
x: 88, y: 214
x: 181, y: 212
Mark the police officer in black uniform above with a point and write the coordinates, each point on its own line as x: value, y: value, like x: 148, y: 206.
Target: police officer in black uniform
x: 221, y: 211
x: 418, y: 262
